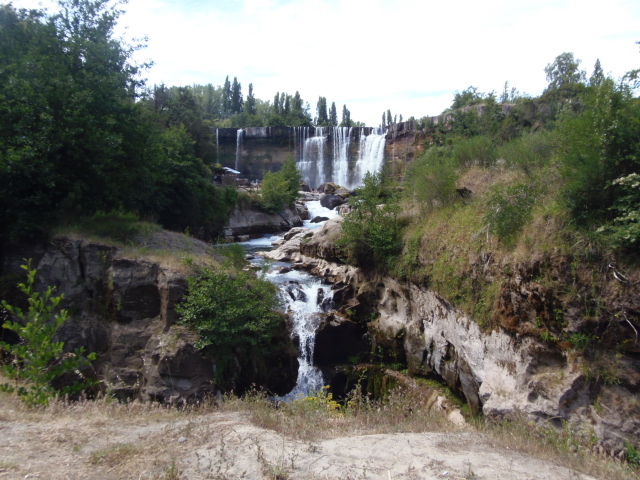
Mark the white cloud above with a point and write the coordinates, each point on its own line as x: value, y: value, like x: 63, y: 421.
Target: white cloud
x: 408, y: 56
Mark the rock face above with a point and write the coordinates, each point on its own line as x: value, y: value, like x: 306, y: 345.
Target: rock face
x: 124, y: 310
x: 500, y: 372
x: 248, y: 221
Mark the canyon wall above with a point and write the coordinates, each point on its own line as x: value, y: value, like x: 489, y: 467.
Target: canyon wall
x: 502, y: 372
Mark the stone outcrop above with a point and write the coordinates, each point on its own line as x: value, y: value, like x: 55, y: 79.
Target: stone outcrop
x: 253, y: 222
x: 500, y: 372
x: 123, y: 309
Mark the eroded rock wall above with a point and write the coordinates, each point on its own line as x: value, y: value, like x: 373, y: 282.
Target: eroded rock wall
x: 123, y: 308
x: 501, y: 372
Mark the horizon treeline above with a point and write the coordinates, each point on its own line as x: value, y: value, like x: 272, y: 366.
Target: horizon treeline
x: 224, y: 106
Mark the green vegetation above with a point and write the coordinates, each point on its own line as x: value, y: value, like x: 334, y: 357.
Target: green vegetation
x: 37, y: 359
x: 76, y: 142
x: 232, y: 314
x: 280, y: 189
x: 372, y: 231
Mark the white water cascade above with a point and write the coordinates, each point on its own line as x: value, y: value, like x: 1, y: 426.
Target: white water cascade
x: 311, y: 163
x: 371, y: 154
x: 239, y: 138
x: 318, y: 164
x: 341, y: 143
x: 302, y: 295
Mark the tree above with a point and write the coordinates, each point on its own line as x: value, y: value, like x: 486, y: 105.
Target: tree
x: 236, y: 96
x: 280, y: 189
x: 333, y: 115
x: 276, y: 104
x: 69, y: 121
x: 38, y: 358
x: 322, y: 119
x: 250, y: 103
x: 597, y: 77
x: 469, y: 96
x: 372, y: 231
x: 346, y: 117
x: 226, y: 96
x: 564, y: 70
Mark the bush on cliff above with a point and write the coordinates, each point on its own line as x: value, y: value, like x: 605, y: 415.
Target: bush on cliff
x: 372, y: 231
x: 280, y: 189
x: 234, y: 315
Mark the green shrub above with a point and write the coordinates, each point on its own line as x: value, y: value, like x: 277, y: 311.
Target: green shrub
x: 280, y: 189
x: 116, y: 225
x: 478, y: 150
x: 529, y: 152
x: 509, y: 208
x: 231, y: 314
x: 431, y: 180
x: 38, y: 359
x: 372, y: 231
x: 624, y: 230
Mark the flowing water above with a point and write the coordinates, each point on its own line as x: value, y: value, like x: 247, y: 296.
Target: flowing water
x: 318, y: 164
x: 239, y: 138
x: 303, y: 297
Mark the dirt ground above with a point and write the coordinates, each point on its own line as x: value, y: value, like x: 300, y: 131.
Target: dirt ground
x: 101, y: 442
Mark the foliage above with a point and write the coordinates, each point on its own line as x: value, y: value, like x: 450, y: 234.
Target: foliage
x: 431, y: 180
x: 598, y: 147
x: 280, y: 189
x: 624, y: 230
x: 509, y: 208
x: 230, y: 313
x: 38, y: 358
x: 564, y: 70
x: 372, y: 231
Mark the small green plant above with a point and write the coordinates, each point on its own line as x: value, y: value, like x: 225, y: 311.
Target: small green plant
x: 37, y: 358
x: 509, y: 208
x: 632, y: 454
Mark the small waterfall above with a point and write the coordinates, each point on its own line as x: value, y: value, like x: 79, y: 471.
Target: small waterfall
x: 311, y: 163
x: 239, y: 138
x: 341, y: 143
x: 371, y: 155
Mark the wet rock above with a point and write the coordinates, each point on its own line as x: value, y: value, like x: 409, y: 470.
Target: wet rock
x: 319, y: 219
x: 338, y: 339
x: 331, y: 201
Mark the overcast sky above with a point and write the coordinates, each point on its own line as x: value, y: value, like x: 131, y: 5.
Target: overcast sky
x: 409, y: 56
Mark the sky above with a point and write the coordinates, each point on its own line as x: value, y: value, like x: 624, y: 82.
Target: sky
x: 407, y: 56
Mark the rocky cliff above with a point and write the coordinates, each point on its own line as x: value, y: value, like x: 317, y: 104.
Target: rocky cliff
x: 123, y: 308
x: 501, y: 372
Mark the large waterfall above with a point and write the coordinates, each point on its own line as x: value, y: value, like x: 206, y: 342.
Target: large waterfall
x: 319, y: 164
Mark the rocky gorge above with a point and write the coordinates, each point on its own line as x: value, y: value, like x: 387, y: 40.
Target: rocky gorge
x: 502, y: 372
x: 123, y: 308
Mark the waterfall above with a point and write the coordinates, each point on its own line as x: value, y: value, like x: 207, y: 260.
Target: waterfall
x: 371, y: 155
x: 311, y: 163
x: 239, y: 137
x: 302, y: 295
x: 317, y: 165
x: 341, y: 143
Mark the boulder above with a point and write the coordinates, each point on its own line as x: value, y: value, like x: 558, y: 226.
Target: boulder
x: 331, y: 201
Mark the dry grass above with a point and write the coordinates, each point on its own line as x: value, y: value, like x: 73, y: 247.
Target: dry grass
x: 108, y: 440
